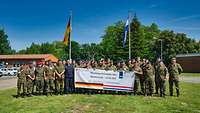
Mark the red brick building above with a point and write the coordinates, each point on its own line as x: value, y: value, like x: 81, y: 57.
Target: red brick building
x: 19, y: 59
x: 189, y: 62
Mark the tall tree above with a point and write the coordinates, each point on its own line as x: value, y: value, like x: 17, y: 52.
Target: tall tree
x: 4, y: 43
x: 138, y: 44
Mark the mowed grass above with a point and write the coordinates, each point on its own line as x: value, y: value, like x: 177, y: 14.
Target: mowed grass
x: 188, y: 102
x: 191, y: 74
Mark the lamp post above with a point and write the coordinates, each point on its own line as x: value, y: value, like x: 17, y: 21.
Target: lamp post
x: 161, y: 47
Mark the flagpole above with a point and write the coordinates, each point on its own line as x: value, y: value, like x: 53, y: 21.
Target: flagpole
x: 129, y: 35
x: 70, y: 50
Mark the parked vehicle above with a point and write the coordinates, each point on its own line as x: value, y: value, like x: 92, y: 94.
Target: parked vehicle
x: 8, y: 71
x: 1, y: 74
x: 1, y: 66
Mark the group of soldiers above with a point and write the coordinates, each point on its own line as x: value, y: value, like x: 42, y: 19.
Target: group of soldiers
x: 58, y: 78
x: 148, y: 74
x: 45, y: 78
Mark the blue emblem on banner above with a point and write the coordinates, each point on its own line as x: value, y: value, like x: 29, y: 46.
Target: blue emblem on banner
x: 121, y: 74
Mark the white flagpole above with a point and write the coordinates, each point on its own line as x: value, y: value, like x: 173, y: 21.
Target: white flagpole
x: 70, y: 50
x: 129, y: 34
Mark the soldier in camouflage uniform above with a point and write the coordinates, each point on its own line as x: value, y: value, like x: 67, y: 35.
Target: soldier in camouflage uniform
x: 102, y: 65
x: 119, y: 66
x: 130, y: 65
x: 149, y: 79
x: 157, y: 75
x: 39, y: 78
x: 49, y: 78
x: 21, y: 81
x: 75, y: 65
x: 175, y: 70
x: 138, y: 72
x: 162, y: 75
x: 29, y: 80
x: 142, y: 79
x: 59, y: 77
x: 124, y: 67
x: 111, y: 66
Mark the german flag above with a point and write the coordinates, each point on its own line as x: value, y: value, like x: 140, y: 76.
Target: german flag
x: 67, y: 33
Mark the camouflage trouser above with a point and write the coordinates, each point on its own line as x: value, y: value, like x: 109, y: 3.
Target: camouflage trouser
x: 142, y: 82
x: 33, y: 86
x: 49, y: 85
x: 29, y: 86
x: 157, y: 83
x: 162, y: 87
x: 39, y: 86
x: 59, y: 85
x: 149, y: 86
x: 21, y: 85
x: 171, y: 84
x: 136, y: 84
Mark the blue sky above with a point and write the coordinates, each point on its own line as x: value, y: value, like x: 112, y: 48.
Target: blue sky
x: 27, y: 21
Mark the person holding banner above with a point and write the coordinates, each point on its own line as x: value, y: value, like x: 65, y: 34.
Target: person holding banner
x: 138, y: 72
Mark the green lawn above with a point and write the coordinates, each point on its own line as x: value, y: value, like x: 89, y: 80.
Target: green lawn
x: 191, y: 74
x: 188, y: 102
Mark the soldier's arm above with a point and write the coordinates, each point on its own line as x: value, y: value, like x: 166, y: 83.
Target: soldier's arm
x: 166, y: 73
x: 180, y: 69
x: 140, y: 71
x: 44, y: 74
x: 153, y: 71
x: 57, y: 73
x: 54, y: 74
x: 62, y: 72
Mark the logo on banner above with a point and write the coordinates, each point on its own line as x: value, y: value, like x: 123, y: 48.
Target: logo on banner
x: 121, y: 75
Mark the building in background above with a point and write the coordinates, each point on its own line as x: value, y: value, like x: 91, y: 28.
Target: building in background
x: 189, y: 62
x: 19, y: 59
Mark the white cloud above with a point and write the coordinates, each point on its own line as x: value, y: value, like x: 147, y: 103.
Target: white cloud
x: 185, y: 18
x: 153, y: 5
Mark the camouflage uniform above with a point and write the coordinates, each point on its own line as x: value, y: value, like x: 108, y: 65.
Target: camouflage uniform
x: 49, y: 74
x: 162, y: 72
x: 39, y: 74
x: 157, y: 77
x: 59, y: 80
x: 103, y: 67
x: 112, y: 67
x: 138, y: 73
x: 174, y: 72
x: 142, y: 78
x: 30, y: 81
x: 149, y: 79
x: 125, y: 68
x: 21, y: 82
x: 130, y: 67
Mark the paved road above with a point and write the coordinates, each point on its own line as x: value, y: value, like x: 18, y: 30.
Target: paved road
x: 190, y: 79
x: 7, y: 82
x: 10, y: 82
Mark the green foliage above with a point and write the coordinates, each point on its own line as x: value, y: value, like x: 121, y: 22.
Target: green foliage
x: 4, y: 44
x: 112, y: 42
x: 138, y: 43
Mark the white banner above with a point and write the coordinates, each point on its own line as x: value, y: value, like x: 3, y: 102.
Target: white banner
x: 104, y: 79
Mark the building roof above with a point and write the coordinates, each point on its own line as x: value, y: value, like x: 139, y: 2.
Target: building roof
x: 29, y: 57
x: 188, y: 55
